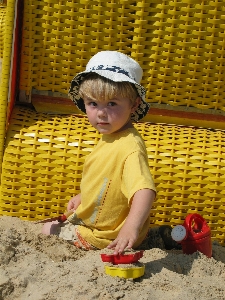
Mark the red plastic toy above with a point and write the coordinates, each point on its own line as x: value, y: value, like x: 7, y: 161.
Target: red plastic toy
x: 194, y: 235
x: 122, y: 258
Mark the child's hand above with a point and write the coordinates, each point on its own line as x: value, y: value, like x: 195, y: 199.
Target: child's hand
x: 125, y: 240
x: 74, y: 203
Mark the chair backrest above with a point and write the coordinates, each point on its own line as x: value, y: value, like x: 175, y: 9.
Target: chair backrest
x: 179, y: 44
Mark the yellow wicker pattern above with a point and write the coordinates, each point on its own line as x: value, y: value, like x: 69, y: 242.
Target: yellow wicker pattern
x: 187, y: 64
x: 5, y: 72
x: 44, y: 156
x: 179, y: 44
x: 43, y: 162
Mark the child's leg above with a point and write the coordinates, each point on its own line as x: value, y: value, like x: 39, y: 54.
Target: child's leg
x: 68, y: 232
x: 165, y: 232
x: 51, y: 228
x: 159, y: 237
x: 63, y: 230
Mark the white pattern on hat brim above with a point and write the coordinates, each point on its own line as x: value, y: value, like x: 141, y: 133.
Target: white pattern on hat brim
x: 143, y: 107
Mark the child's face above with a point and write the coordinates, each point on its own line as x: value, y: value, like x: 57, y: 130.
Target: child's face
x: 110, y: 116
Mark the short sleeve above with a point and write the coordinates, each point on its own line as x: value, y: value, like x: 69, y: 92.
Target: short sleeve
x: 136, y: 175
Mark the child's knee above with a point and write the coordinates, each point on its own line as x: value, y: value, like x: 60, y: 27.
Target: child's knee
x: 50, y: 228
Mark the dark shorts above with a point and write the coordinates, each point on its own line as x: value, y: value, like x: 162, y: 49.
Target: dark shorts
x: 159, y: 237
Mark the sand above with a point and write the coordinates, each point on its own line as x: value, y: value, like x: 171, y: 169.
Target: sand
x: 38, y: 267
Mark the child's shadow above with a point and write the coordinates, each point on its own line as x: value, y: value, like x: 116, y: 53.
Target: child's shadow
x: 175, y: 261
x: 180, y: 263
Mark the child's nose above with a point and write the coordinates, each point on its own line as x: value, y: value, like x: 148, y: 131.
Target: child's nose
x: 102, y: 111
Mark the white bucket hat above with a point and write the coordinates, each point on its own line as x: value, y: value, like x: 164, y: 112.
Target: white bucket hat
x: 117, y: 67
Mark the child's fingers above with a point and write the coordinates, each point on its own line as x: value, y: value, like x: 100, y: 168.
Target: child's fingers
x: 112, y: 244
x: 70, y: 206
x: 119, y: 245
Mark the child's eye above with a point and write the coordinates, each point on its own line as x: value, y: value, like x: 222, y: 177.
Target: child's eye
x: 92, y: 103
x: 111, y: 103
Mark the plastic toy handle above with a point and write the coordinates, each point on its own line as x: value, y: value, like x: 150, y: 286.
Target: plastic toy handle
x: 199, y: 222
x: 64, y: 217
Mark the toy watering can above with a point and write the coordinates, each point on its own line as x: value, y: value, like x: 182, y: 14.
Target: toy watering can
x: 194, y: 235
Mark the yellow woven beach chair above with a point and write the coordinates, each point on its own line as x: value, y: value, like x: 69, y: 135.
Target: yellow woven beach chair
x: 44, y: 155
x: 180, y: 46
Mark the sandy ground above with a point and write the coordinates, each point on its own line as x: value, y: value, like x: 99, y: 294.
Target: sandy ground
x: 38, y: 267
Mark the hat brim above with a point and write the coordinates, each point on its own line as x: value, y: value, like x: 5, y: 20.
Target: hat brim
x: 73, y: 93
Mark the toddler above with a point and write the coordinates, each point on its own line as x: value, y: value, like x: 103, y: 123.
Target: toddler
x: 117, y: 190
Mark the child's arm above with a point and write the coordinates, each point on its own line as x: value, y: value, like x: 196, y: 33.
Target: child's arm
x: 139, y: 211
x: 74, y: 202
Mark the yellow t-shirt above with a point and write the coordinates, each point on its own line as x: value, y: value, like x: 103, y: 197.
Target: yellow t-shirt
x: 115, y: 170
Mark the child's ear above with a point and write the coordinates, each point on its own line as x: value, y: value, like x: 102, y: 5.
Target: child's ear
x: 136, y: 104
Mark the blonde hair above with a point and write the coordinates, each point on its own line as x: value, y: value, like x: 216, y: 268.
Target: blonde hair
x: 100, y: 88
